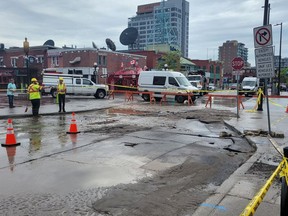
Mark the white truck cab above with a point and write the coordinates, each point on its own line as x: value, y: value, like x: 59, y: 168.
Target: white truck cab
x: 160, y: 82
x: 75, y: 85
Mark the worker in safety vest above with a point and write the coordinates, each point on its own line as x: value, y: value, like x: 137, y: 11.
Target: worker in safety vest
x: 34, y: 91
x: 61, y: 91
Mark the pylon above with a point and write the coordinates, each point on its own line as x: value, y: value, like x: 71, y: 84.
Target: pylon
x: 10, y: 136
x: 73, y: 126
x: 287, y: 109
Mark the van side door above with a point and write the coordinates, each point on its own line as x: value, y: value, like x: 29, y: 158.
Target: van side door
x: 172, y: 84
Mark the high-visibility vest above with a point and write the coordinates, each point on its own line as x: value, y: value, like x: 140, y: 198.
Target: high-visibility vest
x: 61, y: 88
x: 34, y: 91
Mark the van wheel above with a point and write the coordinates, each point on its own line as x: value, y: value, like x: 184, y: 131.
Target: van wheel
x: 146, y: 97
x: 54, y: 93
x: 100, y: 94
x: 180, y: 98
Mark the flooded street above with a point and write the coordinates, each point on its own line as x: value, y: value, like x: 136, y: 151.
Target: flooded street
x: 126, y: 160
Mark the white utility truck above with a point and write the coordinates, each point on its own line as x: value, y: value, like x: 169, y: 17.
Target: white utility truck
x: 250, y: 85
x: 75, y: 85
x: 160, y: 82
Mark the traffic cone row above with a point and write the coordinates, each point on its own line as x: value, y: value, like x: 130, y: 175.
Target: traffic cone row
x: 11, y: 143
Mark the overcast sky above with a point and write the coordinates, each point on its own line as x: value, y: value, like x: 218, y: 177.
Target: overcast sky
x: 71, y: 22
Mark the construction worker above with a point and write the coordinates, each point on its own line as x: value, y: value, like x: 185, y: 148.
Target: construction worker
x: 34, y: 91
x: 61, y: 91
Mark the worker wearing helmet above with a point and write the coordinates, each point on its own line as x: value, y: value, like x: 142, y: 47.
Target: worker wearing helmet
x: 61, y: 91
x: 34, y: 91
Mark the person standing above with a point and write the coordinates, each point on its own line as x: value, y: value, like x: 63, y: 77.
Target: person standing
x: 11, y: 88
x: 34, y: 91
x: 61, y: 91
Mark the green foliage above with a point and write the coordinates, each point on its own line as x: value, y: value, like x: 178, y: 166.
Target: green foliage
x: 284, y: 75
x: 172, y: 59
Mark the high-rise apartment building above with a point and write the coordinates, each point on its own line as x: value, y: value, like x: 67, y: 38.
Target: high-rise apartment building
x: 165, y: 22
x: 230, y: 50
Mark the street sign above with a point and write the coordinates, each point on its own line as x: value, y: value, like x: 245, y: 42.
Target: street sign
x: 264, y: 59
x: 237, y: 63
x: 263, y: 36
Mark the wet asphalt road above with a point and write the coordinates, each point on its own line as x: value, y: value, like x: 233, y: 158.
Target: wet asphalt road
x: 53, y: 173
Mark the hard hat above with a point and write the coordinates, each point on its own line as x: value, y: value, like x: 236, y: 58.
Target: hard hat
x: 61, y: 78
x: 33, y: 80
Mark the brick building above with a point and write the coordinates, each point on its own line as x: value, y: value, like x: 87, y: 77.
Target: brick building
x: 95, y: 64
x: 215, y: 68
x: 15, y: 63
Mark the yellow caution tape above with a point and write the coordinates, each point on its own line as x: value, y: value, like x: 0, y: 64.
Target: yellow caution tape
x: 284, y: 171
x: 255, y: 202
x: 259, y: 93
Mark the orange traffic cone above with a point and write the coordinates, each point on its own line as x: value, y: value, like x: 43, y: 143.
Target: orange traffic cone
x: 287, y: 109
x: 73, y: 126
x: 10, y: 136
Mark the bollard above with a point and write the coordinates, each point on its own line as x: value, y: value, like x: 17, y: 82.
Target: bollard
x: 284, y: 187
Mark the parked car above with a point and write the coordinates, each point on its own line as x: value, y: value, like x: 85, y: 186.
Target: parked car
x: 233, y: 86
x: 211, y: 87
x: 283, y: 87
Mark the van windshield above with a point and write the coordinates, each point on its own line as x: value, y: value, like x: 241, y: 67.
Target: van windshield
x: 248, y: 83
x: 183, y: 81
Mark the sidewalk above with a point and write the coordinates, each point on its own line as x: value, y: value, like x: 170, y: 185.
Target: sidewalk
x: 235, y: 193
x: 49, y: 107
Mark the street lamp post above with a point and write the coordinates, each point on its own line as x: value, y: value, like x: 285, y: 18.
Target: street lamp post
x: 165, y: 67
x: 96, y: 68
x: 26, y: 51
x: 279, y: 66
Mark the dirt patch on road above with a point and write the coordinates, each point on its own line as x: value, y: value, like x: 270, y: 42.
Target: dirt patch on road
x: 177, y: 191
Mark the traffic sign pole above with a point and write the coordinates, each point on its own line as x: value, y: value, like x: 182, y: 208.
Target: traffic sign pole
x: 237, y: 65
x: 260, y: 105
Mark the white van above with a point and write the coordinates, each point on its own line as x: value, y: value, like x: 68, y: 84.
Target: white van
x: 75, y: 85
x: 250, y: 85
x: 160, y: 82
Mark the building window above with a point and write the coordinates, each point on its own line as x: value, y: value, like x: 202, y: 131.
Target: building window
x: 102, y: 60
x: 14, y: 61
x: 1, y: 61
x: 40, y: 59
x: 54, y: 61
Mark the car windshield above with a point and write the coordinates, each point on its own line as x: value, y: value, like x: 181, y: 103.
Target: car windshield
x: 248, y: 83
x: 183, y: 81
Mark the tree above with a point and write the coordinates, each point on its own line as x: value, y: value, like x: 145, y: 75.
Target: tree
x: 172, y: 59
x: 284, y: 75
